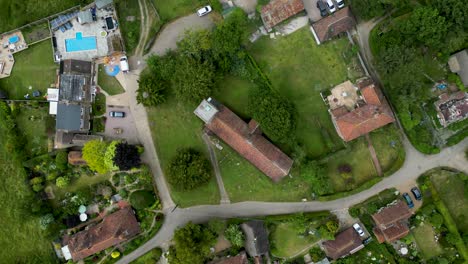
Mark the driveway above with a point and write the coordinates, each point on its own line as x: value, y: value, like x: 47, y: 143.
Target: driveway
x: 121, y: 128
x: 312, y: 10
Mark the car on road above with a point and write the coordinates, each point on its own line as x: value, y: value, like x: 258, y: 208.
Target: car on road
x: 416, y: 193
x: 331, y: 6
x: 204, y: 10
x: 340, y: 3
x: 358, y: 229
x: 118, y: 114
x: 322, y: 8
x: 408, y: 200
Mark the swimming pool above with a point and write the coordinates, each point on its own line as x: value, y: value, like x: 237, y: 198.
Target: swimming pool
x: 80, y: 43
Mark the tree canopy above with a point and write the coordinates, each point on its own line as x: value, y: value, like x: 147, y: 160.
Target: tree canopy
x: 191, y: 244
x: 188, y: 169
x: 94, y: 152
x: 126, y: 156
x: 151, y: 90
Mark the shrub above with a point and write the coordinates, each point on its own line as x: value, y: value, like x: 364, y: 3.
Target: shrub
x: 188, y: 169
x: 62, y: 182
x: 316, y: 254
x: 37, y: 187
x: 36, y: 180
x: 142, y: 199
x: 61, y: 160
x: 437, y: 220
x: 234, y: 235
x: 126, y: 156
x: 46, y: 220
x: 123, y: 193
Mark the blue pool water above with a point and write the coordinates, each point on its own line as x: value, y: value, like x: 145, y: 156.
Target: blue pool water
x: 13, y: 39
x: 80, y: 43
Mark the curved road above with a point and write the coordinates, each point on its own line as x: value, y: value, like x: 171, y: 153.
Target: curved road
x: 415, y: 163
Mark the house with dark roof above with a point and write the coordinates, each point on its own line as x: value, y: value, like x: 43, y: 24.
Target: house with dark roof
x: 244, y: 138
x: 333, y: 25
x: 114, y: 229
x: 241, y: 258
x: 358, y: 110
x: 256, y: 238
x: 346, y: 243
x: 458, y: 63
x: 391, y: 222
x: 452, y: 108
x: 276, y: 11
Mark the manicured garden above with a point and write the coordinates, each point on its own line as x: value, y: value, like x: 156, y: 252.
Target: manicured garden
x: 35, y: 68
x: 108, y: 83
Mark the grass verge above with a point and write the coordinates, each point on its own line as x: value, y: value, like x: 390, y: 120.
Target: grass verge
x: 130, y: 21
x: 109, y: 83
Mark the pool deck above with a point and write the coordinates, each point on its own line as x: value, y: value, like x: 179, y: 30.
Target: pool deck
x: 7, y: 59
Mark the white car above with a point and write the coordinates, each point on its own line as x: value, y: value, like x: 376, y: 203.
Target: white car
x: 358, y: 229
x: 340, y: 3
x: 331, y: 6
x: 124, y: 64
x: 204, y: 10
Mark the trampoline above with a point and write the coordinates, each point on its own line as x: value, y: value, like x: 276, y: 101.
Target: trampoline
x: 13, y: 39
x: 112, y: 70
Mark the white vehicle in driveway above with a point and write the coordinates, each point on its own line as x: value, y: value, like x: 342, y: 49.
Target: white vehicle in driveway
x: 331, y: 6
x: 204, y: 10
x: 124, y: 64
x: 358, y: 229
x: 340, y: 3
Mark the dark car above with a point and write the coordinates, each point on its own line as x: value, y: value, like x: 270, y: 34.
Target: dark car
x: 322, y: 7
x: 417, y: 194
x: 117, y: 114
x: 408, y: 200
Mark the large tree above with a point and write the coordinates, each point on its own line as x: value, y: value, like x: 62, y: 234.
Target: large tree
x: 151, y: 90
x: 192, y: 245
x: 193, y: 79
x: 317, y: 176
x: 188, y: 169
x: 126, y: 156
x: 94, y: 152
x: 275, y: 114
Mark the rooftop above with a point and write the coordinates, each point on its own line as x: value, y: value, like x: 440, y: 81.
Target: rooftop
x: 458, y: 63
x: 344, y: 94
x: 276, y: 11
x: 333, y: 25
x: 452, y: 108
x: 345, y: 243
x: 76, y: 67
x: 75, y: 88
x: 245, y: 138
x: 68, y: 117
x: 391, y: 222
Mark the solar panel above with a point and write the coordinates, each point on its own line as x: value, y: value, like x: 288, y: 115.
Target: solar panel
x: 62, y: 19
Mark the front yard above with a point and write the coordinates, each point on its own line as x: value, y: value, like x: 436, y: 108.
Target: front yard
x: 35, y: 68
x: 288, y: 243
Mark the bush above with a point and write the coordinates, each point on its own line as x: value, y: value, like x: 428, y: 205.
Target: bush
x: 126, y: 156
x: 62, y: 182
x: 123, y: 193
x: 142, y: 199
x: 316, y: 254
x: 61, y: 160
x: 188, y: 169
x: 234, y: 235
x: 437, y: 220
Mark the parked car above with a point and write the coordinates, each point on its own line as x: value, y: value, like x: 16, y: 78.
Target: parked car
x: 408, y: 200
x: 204, y: 10
x: 117, y: 114
x: 358, y: 229
x: 124, y: 64
x: 331, y: 6
x: 417, y: 194
x: 340, y: 3
x: 322, y: 8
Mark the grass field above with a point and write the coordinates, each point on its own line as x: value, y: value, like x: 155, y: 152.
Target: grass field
x: 387, y: 145
x: 424, y: 236
x: 288, y: 243
x: 33, y: 67
x: 233, y: 92
x: 169, y: 10
x: 109, y: 83
x: 130, y: 28
x: 300, y: 69
x: 32, y: 124
x: 451, y: 190
x: 175, y: 126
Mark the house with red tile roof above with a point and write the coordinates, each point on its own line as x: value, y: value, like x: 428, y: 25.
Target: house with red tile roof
x: 333, y: 25
x: 244, y: 138
x: 346, y: 243
x: 114, y: 229
x: 276, y: 11
x: 358, y: 110
x: 391, y: 222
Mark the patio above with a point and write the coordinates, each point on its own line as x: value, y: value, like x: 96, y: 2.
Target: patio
x: 10, y: 44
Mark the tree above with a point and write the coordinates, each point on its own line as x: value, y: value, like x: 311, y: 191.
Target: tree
x: 217, y: 226
x: 235, y: 235
x: 332, y: 226
x: 275, y: 114
x: 196, y: 44
x: 193, y: 79
x: 316, y: 254
x: 151, y: 90
x: 316, y: 175
x: 94, y: 152
x: 192, y: 244
x: 62, y: 182
x: 188, y: 169
x: 126, y: 156
x: 115, y: 254
x: 437, y: 220
x: 61, y: 160
x: 142, y: 199
x: 453, y: 239
x: 46, y: 220
x: 109, y: 156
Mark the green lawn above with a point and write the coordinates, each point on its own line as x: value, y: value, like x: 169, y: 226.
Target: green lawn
x: 357, y: 155
x: 31, y: 123
x: 288, y: 243
x: 33, y: 67
x: 233, y: 92
x: 300, y: 69
x: 424, y: 236
x: 175, y: 126
x: 109, y: 83
x: 451, y: 190
x: 389, y: 149
x: 130, y: 21
x: 99, y: 105
x: 169, y: 10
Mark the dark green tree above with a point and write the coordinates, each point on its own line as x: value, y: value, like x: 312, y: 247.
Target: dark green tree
x: 188, y: 169
x: 316, y: 175
x: 191, y: 245
x: 193, y: 80
x: 126, y: 156
x: 151, y: 90
x: 275, y: 114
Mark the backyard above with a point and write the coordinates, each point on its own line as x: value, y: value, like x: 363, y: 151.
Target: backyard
x: 32, y: 123
x: 288, y: 243
x: 129, y: 20
x: 34, y: 69
x: 109, y: 83
x: 424, y: 236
